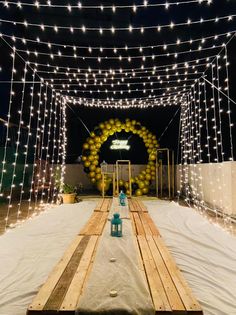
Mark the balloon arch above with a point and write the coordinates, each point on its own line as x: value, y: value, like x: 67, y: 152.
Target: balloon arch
x: 100, y: 134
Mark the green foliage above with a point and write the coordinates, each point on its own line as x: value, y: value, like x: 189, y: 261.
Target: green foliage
x: 68, y: 189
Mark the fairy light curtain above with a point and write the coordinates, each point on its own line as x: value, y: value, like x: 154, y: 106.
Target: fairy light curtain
x: 113, y: 55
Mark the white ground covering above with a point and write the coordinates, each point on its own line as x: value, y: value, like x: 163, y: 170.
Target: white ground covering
x: 204, y: 252
x: 29, y: 252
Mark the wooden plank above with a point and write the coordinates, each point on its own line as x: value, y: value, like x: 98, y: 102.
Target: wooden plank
x: 57, y: 296
x: 44, y: 293
x: 99, y: 205
x: 100, y: 225
x: 86, y: 230
x: 151, y: 224
x: 131, y: 215
x: 141, y: 206
x: 138, y: 223
x: 189, y: 301
x: 131, y: 205
x: 72, y: 296
x: 158, y: 294
x: 145, y: 224
x: 170, y: 289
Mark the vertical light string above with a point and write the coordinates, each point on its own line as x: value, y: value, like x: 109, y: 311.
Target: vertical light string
x: 213, y: 106
x: 26, y: 147
x: 64, y: 139
x: 227, y: 89
x: 188, y: 152
x: 200, y: 151
x: 192, y: 178
x: 46, y: 136
x: 52, y: 152
x: 4, y: 161
x: 219, y: 132
x: 40, y: 149
x: 220, y: 110
x: 21, y: 123
x: 37, y: 137
x: 48, y: 170
x: 57, y: 177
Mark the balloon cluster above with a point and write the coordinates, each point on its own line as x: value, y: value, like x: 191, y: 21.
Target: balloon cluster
x: 91, y: 148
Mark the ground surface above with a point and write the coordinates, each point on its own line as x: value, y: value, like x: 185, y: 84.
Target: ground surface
x: 204, y: 252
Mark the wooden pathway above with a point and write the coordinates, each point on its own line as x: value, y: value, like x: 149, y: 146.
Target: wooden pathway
x: 64, y: 286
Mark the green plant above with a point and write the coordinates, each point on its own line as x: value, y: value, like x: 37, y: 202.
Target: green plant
x: 68, y: 189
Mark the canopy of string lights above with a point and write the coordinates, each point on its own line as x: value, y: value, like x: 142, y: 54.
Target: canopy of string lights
x: 58, y: 57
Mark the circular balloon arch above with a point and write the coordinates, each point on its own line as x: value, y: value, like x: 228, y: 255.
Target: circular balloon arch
x: 91, y: 148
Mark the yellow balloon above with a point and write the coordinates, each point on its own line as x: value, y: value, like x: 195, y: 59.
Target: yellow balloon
x: 141, y: 177
x: 111, y: 121
x: 92, y: 174
x: 92, y: 167
x: 152, y: 157
x: 84, y: 158
x: 85, y: 146
x: 146, y: 182
x: 91, y: 158
x: 100, y: 185
x: 98, y: 176
x: 121, y: 182
x: 138, y: 192
x: 101, y: 126
x: 148, y: 177
x: 93, y: 180
x: 98, y: 170
x: 90, y: 141
x: 145, y: 190
x: 95, y: 162
x: 141, y: 184
x: 92, y: 134
x: 86, y: 163
x: 126, y: 185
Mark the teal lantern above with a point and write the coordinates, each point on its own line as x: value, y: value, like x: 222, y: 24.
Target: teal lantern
x: 122, y: 197
x: 116, y: 225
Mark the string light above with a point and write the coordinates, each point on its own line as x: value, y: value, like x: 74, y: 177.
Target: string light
x: 70, y: 7
x: 112, y: 29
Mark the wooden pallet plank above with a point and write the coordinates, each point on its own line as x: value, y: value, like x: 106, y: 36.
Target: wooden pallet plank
x: 145, y: 224
x: 72, y: 296
x: 189, y: 301
x: 88, y: 227
x: 167, y: 282
x: 131, y: 206
x: 44, y: 293
x: 138, y: 224
x: 151, y: 224
x: 98, y: 228
x: 141, y: 206
x: 57, y: 296
x: 158, y: 294
x: 131, y: 215
x: 99, y: 205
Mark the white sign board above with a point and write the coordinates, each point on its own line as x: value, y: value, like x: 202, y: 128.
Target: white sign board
x: 120, y: 145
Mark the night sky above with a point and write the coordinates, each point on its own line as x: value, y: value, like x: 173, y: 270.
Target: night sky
x: 155, y: 119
